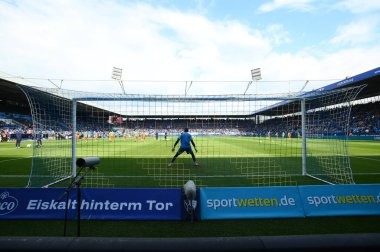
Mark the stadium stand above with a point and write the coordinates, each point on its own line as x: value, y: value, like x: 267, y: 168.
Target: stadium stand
x: 365, y: 120
x: 365, y: 117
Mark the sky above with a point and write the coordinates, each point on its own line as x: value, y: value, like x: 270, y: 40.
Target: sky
x: 188, y: 46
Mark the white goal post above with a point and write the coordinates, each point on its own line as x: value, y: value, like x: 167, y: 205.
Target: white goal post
x: 243, y: 140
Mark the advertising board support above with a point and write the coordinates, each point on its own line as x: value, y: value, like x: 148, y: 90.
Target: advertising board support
x: 76, y: 182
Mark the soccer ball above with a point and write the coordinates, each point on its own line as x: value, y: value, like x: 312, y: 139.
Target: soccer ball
x: 190, y: 190
x: 28, y: 145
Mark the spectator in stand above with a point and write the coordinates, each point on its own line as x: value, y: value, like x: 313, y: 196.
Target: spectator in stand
x: 4, y: 137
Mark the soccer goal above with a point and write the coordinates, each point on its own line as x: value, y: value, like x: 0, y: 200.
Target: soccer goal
x: 241, y: 140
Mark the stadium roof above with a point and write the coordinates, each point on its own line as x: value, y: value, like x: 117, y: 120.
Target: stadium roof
x: 12, y: 96
x: 371, y: 80
x: 13, y: 99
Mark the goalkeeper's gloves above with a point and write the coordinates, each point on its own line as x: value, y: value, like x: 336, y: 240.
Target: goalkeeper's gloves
x: 173, y: 149
x: 195, y: 148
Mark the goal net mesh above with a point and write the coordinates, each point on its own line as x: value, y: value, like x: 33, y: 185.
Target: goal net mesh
x: 242, y: 140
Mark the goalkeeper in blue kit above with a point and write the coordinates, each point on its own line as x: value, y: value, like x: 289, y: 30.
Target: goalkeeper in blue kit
x: 185, y: 139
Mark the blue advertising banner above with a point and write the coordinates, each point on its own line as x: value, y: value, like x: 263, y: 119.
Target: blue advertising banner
x: 340, y: 200
x: 115, y: 204
x: 215, y: 203
x: 250, y: 202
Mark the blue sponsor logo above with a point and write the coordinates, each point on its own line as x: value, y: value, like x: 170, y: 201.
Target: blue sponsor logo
x: 340, y: 200
x: 117, y: 204
x: 250, y: 202
x: 346, y: 81
x: 7, y: 203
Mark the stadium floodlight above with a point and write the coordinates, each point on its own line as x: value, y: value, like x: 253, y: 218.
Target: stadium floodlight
x: 256, y: 74
x: 116, y: 75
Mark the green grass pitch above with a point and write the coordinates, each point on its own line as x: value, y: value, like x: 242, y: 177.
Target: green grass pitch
x: 224, y: 161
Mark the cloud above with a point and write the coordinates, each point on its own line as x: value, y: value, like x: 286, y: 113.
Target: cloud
x: 300, y: 5
x: 56, y: 40
x: 277, y: 34
x: 361, y: 31
x: 161, y: 48
x: 359, y: 6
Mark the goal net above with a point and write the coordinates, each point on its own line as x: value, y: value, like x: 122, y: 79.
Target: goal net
x: 242, y: 140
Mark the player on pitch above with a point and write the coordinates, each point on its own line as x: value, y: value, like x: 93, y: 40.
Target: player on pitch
x: 185, y: 139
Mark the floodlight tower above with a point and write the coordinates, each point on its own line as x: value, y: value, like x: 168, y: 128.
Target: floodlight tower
x: 59, y: 87
x: 256, y: 76
x: 188, y: 86
x: 116, y: 75
x: 304, y: 85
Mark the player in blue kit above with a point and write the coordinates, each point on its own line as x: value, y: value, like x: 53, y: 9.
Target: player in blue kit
x: 185, y: 139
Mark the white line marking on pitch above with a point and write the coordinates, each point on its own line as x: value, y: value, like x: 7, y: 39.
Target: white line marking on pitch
x: 366, y: 158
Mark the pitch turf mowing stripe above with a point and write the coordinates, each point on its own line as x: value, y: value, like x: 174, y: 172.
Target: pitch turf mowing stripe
x: 14, y: 176
x: 373, y: 159
x: 12, y: 159
x: 213, y: 151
